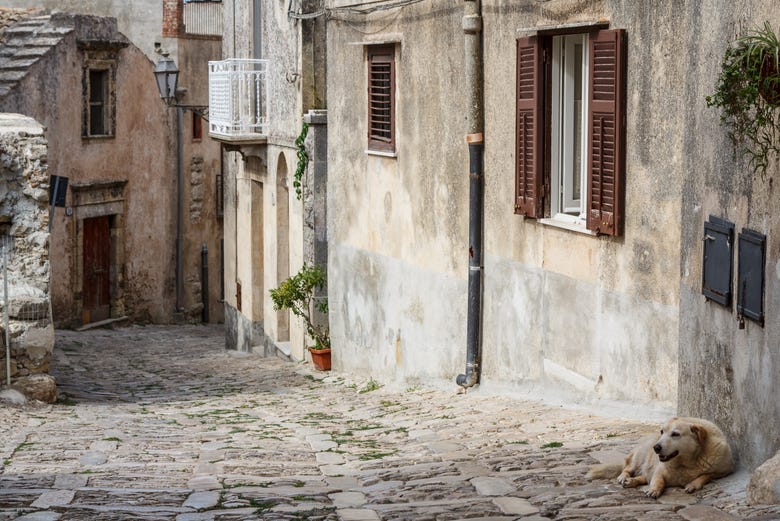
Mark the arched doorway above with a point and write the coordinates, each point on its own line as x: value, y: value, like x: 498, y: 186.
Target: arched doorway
x: 282, y: 242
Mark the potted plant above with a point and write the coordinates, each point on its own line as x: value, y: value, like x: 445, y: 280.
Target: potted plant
x: 748, y: 95
x: 297, y: 294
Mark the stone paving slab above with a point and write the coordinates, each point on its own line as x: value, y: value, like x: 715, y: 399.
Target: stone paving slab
x: 162, y: 424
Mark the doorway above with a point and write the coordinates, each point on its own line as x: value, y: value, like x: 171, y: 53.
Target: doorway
x: 96, y: 281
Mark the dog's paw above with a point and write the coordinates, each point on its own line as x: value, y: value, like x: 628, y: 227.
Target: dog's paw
x: 631, y: 483
x: 690, y: 488
x: 623, y: 478
x: 653, y: 493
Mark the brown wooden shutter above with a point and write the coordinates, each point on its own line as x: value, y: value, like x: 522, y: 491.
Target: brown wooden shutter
x: 606, y: 131
x: 381, y: 97
x: 529, y: 193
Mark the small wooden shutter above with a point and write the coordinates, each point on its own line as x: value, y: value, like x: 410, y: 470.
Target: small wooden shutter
x: 606, y: 131
x: 529, y: 193
x: 381, y: 97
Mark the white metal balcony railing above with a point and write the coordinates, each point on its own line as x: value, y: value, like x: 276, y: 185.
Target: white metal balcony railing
x: 203, y: 17
x: 238, y: 104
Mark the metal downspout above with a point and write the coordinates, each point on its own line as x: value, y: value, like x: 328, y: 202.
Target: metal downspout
x: 179, y: 209
x: 472, y: 28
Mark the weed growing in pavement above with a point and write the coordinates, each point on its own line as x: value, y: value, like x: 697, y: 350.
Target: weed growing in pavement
x: 552, y: 445
x: 519, y: 442
x: 375, y: 455
x: 262, y: 506
x: 612, y: 435
x: 22, y: 446
x: 64, y: 399
x: 6, y: 462
x: 319, y: 416
x: 413, y: 389
x: 371, y: 385
x: 299, y: 484
x: 388, y: 403
x: 113, y: 438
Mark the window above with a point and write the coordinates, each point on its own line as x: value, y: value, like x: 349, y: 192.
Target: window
x: 99, y: 118
x: 381, y: 98
x: 570, y: 128
x: 197, y: 127
x: 98, y: 102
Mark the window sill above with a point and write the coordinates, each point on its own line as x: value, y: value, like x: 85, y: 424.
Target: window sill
x: 572, y: 225
x: 381, y: 153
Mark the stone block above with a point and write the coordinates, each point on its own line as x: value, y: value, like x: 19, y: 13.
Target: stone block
x: 41, y: 387
x: 764, y: 486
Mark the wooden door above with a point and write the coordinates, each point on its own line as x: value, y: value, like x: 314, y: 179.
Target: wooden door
x: 97, y: 264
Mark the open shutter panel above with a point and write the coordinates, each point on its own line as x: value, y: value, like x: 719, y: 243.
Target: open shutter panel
x: 606, y: 131
x: 528, y: 151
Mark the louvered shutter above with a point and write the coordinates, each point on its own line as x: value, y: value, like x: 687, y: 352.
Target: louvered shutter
x: 606, y: 131
x: 529, y: 194
x: 381, y: 97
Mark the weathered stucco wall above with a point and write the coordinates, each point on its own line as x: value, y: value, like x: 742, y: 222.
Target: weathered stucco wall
x: 729, y: 374
x: 24, y: 234
x: 564, y: 310
x: 142, y: 152
x: 263, y: 217
x: 203, y: 164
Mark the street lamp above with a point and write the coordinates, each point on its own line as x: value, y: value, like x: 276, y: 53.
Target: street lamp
x: 167, y: 75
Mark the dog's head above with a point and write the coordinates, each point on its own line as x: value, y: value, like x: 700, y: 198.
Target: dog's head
x: 679, y: 438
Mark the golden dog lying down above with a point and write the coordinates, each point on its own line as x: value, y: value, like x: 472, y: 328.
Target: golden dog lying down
x: 690, y: 452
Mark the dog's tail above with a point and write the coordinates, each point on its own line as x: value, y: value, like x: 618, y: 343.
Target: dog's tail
x: 605, y: 471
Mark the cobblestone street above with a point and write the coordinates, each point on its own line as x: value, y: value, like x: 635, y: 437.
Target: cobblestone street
x: 161, y: 423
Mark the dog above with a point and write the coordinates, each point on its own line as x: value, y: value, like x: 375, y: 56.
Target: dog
x: 690, y: 452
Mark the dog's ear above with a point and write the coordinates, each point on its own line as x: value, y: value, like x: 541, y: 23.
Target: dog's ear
x: 700, y: 432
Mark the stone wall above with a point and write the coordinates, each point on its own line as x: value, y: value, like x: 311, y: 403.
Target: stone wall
x: 24, y: 235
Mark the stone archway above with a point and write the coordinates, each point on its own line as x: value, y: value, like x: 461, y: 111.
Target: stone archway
x: 282, y: 242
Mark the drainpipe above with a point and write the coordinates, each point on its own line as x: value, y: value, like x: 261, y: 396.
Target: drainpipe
x: 179, y: 209
x: 472, y: 28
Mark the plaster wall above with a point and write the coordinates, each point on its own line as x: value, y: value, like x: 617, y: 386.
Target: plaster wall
x: 253, y: 225
x: 597, y: 316
x: 203, y: 165
x: 142, y: 151
x: 726, y: 373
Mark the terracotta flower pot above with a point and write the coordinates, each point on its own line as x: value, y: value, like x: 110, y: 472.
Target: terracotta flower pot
x: 320, y: 358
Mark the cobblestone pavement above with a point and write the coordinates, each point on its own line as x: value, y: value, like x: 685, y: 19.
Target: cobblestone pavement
x: 161, y: 423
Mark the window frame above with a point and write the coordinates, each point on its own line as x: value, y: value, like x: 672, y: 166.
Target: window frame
x: 535, y: 178
x: 381, y: 55
x: 107, y: 103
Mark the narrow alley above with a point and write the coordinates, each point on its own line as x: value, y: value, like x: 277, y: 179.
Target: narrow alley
x: 161, y: 423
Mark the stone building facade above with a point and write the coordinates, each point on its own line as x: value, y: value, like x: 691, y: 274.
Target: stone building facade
x: 137, y: 155
x: 112, y: 246
x: 587, y: 294
x: 269, y: 230
x: 25, y: 260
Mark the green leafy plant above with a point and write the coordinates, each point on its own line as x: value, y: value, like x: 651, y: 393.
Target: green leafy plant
x: 303, y: 160
x: 297, y: 294
x: 748, y: 95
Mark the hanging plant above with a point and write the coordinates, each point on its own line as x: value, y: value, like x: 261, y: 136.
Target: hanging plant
x: 303, y: 160
x: 748, y: 95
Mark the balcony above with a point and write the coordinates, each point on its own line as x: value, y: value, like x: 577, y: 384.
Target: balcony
x: 238, y: 101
